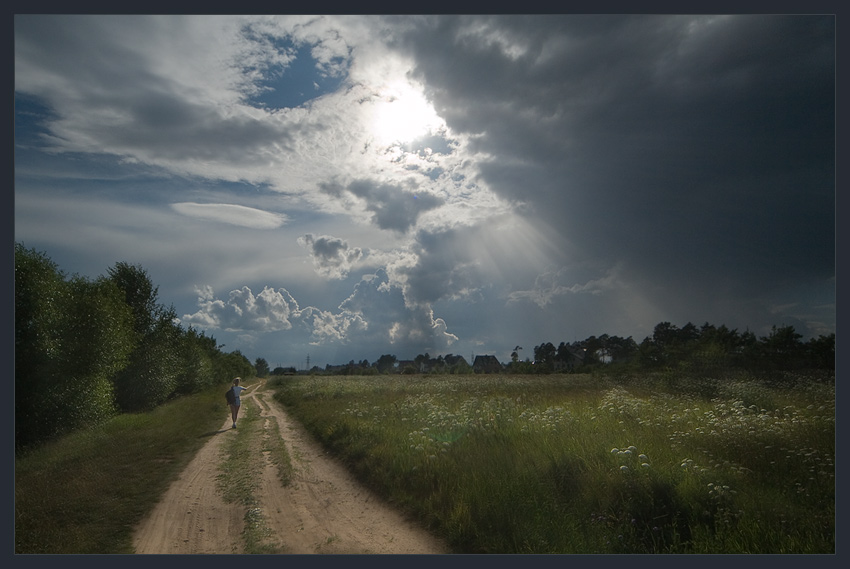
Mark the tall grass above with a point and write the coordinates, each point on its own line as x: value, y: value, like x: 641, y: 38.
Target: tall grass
x: 85, y: 492
x: 585, y: 464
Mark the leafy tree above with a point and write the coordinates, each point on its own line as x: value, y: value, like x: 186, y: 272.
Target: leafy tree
x: 139, y: 293
x: 523, y: 367
x: 621, y: 349
x: 650, y: 354
x: 665, y: 339
x: 195, y: 363
x: 595, y: 349
x: 385, y: 363
x: 748, y: 356
x: 728, y: 340
x: 262, y: 367
x: 233, y: 364
x: 782, y: 349
x: 714, y: 351
x: 152, y: 376
x: 688, y: 333
x: 565, y: 355
x: 71, y: 337
x: 820, y: 352
x: 544, y: 357
x: 39, y: 296
x: 672, y: 344
x: 97, y: 340
x: 154, y: 372
x: 664, y: 334
x: 420, y: 360
x: 96, y: 329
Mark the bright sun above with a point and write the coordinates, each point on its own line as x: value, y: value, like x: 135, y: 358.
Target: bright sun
x: 403, y: 115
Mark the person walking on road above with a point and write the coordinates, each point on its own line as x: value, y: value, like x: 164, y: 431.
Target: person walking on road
x: 234, y: 406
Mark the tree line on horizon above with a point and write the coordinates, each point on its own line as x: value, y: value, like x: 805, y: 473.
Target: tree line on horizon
x: 89, y: 349
x: 704, y: 349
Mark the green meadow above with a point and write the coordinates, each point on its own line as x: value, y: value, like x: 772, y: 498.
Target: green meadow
x: 588, y: 464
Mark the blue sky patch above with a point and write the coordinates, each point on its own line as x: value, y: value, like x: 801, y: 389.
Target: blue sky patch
x: 298, y: 83
x: 30, y: 118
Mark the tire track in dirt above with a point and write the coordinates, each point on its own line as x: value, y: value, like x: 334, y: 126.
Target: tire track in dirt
x: 322, y: 510
x: 192, y: 517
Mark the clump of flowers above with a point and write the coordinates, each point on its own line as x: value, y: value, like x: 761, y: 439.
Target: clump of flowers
x: 628, y: 457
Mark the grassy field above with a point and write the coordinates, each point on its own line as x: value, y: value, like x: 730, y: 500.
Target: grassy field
x: 85, y: 492
x: 587, y: 464
x: 499, y: 464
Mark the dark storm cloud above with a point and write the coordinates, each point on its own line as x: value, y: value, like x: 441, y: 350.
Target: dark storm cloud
x: 332, y: 257
x: 158, y: 122
x: 696, y: 149
x: 175, y: 129
x: 444, y: 267
x: 391, y: 322
x: 393, y: 206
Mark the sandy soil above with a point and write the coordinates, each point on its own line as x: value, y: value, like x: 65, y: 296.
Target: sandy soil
x: 323, y: 510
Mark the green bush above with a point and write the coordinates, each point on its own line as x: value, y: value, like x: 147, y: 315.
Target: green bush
x: 151, y: 377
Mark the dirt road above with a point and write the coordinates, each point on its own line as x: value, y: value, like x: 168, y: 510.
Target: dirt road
x: 323, y: 510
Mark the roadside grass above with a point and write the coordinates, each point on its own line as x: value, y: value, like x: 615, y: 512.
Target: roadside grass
x: 244, y: 458
x: 589, y: 464
x: 274, y: 448
x: 86, y: 492
x: 238, y: 480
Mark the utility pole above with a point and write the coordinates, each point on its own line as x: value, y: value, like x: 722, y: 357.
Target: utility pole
x: 308, y: 363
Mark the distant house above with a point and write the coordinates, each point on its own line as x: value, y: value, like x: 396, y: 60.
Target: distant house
x: 486, y: 364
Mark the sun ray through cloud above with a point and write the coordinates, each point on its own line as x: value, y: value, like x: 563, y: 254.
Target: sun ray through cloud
x: 467, y: 182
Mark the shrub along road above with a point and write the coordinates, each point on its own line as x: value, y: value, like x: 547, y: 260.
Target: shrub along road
x: 322, y: 510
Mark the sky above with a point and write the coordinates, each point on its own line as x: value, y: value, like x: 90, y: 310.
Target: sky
x: 332, y: 188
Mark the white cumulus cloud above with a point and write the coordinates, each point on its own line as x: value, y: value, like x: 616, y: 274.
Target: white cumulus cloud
x: 375, y: 314
x: 268, y: 311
